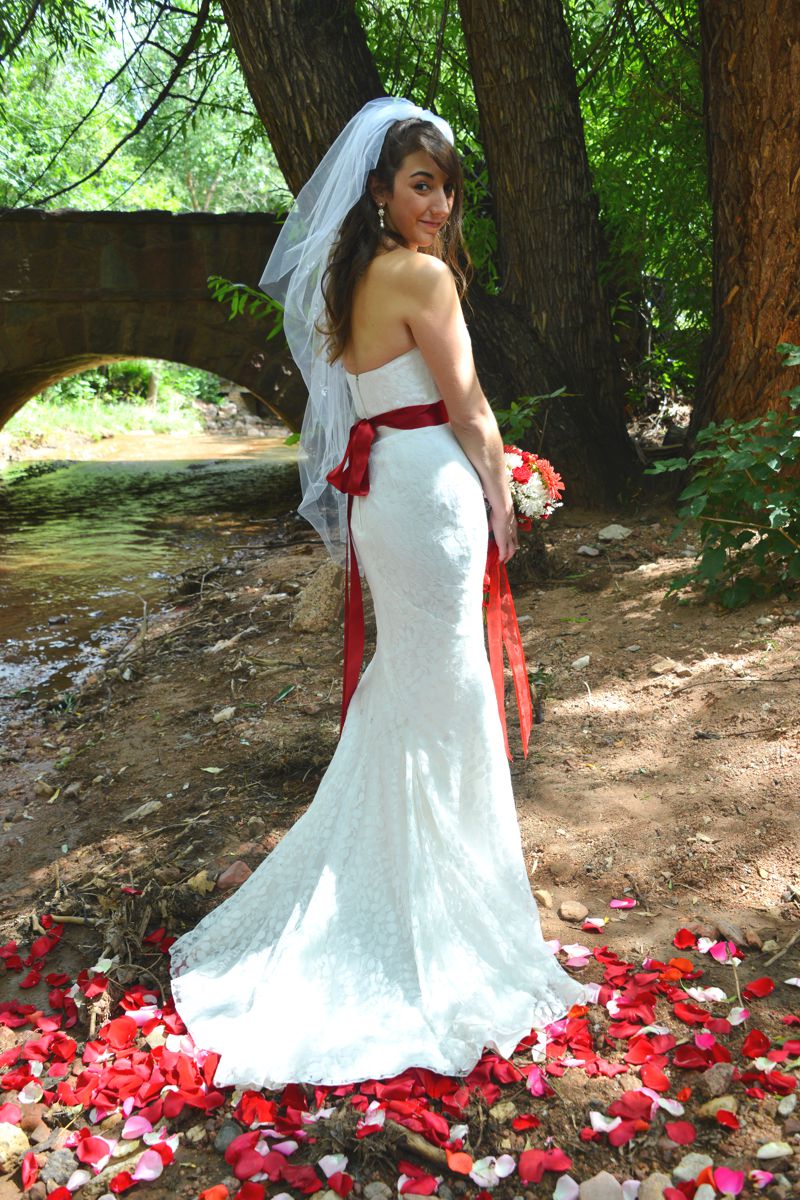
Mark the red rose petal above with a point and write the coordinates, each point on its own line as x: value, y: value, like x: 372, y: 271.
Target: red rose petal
x: 755, y: 1044
x: 758, y: 988
x: 682, y: 1132
x: 727, y: 1118
x: 30, y: 1170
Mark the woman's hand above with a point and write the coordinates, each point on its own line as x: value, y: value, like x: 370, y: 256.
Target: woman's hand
x: 504, y: 527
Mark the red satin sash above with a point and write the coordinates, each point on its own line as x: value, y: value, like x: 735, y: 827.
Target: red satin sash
x: 502, y: 629
x: 352, y: 477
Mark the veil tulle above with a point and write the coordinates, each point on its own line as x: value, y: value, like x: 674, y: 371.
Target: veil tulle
x: 293, y: 277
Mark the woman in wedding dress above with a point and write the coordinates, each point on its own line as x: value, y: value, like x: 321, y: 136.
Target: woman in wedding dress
x: 394, y: 925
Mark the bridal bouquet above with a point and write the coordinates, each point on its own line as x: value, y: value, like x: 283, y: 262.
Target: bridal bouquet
x: 535, y: 486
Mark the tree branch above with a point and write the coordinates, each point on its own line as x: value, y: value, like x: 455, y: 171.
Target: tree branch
x: 76, y: 128
x: 433, y: 82
x: 8, y: 51
x: 180, y: 62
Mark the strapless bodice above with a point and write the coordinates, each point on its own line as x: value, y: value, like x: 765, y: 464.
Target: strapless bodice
x: 403, y: 380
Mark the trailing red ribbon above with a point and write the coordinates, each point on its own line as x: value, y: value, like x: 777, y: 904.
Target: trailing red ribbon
x: 352, y: 476
x: 502, y: 628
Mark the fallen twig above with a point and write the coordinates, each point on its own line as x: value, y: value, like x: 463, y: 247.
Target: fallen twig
x: 788, y: 946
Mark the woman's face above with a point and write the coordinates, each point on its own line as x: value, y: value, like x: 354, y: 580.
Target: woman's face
x: 421, y: 202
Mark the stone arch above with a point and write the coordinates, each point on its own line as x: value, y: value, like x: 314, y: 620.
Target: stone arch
x: 79, y: 289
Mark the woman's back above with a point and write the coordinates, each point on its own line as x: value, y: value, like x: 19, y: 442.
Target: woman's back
x: 379, y: 328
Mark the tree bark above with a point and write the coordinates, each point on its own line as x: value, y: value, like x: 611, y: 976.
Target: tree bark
x: 309, y: 70
x: 751, y: 81
x: 549, y: 237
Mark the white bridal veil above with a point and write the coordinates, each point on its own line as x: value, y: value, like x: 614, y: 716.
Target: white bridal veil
x: 293, y: 277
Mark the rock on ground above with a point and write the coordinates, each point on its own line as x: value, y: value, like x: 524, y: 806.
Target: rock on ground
x: 321, y: 601
x: 653, y: 1187
x: 601, y: 1187
x: 13, y: 1146
x: 233, y: 876
x: 378, y: 1190
x: 59, y: 1166
x: 614, y: 533
x: 691, y: 1165
x: 572, y: 910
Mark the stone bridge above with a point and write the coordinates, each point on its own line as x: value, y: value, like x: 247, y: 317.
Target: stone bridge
x: 78, y: 289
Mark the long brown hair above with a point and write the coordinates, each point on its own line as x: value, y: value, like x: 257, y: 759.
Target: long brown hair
x: 360, y: 233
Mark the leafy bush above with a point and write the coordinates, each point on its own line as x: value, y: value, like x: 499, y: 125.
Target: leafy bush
x: 745, y: 496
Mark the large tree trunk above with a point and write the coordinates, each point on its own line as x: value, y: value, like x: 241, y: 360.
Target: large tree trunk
x: 548, y: 232
x: 751, y: 84
x: 308, y: 68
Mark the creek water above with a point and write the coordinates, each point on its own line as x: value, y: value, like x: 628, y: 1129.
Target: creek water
x: 86, y: 543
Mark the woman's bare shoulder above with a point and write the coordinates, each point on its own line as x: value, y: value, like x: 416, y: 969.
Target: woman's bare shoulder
x: 411, y: 268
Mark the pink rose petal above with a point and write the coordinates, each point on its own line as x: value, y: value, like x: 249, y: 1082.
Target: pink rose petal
x: 728, y: 1180
x: 149, y: 1166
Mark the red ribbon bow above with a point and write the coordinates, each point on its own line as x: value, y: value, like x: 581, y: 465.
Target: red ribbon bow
x: 352, y: 477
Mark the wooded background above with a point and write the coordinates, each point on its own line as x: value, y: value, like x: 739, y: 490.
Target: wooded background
x: 633, y: 169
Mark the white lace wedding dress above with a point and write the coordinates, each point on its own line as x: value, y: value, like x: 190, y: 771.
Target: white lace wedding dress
x: 393, y: 925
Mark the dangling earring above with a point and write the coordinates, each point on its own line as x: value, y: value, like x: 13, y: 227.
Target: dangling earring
x: 381, y: 211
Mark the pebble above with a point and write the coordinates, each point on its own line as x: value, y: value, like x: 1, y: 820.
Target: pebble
x: 504, y: 1110
x: 233, y: 876
x: 572, y: 910
x: 544, y: 897
x: 13, y: 1145
x: 378, y: 1190
x: 614, y: 533
x: 691, y: 1165
x: 773, y: 1150
x: 716, y: 1080
x: 144, y: 810
x: 601, y: 1187
x: 634, y: 648
x: 710, y: 1109
x: 224, y: 714
x: 663, y: 666
x: 59, y: 1166
x: 653, y: 1187
x: 581, y: 662
x: 588, y: 551
x: 787, y: 1105
x: 37, y: 1191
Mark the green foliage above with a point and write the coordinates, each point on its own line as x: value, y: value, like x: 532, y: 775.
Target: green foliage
x: 744, y: 495
x: 114, y: 398
x: 517, y: 420
x: 241, y: 298
x: 638, y: 73
x: 75, y: 91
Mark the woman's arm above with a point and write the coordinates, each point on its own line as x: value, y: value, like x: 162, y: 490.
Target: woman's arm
x: 434, y: 316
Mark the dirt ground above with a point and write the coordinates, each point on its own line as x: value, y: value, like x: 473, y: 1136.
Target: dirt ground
x: 666, y: 769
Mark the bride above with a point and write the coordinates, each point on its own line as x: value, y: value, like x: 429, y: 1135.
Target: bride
x: 394, y: 925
